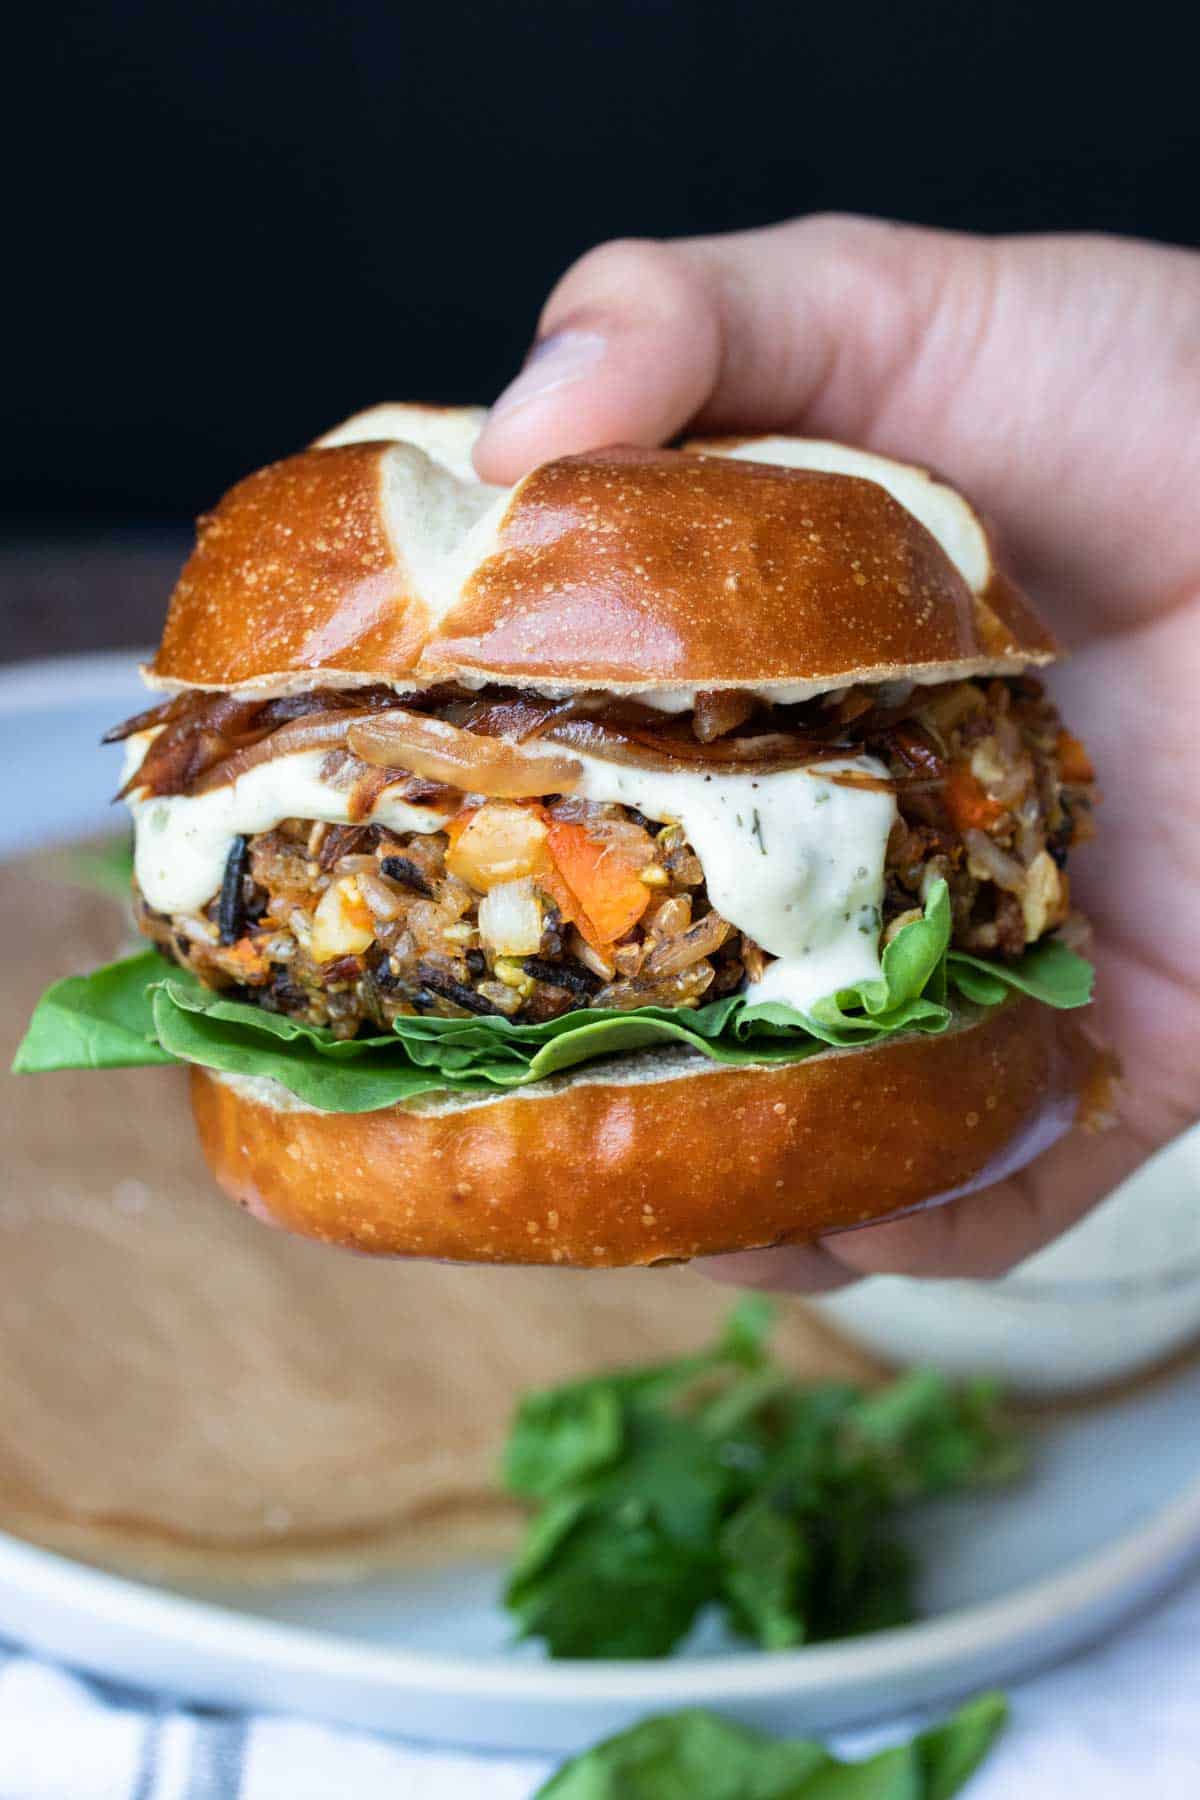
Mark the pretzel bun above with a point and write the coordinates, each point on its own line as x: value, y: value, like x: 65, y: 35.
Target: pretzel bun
x: 657, y: 1157
x: 782, y: 565
x: 378, y: 556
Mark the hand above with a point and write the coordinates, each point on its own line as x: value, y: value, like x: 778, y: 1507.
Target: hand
x: 1058, y: 380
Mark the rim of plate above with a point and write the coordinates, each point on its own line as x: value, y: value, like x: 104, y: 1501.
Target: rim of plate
x: 1135, y: 1556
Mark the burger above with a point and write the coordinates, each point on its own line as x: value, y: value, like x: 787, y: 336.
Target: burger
x: 665, y: 856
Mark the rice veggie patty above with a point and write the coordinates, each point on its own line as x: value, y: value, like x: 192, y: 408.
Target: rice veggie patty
x: 532, y: 905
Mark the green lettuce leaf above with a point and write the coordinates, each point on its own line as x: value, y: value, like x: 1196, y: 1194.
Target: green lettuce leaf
x: 144, y: 1010
x: 362, y: 1075
x: 685, y: 1755
x: 910, y: 995
x: 1049, y: 972
x: 718, y: 1480
x: 99, y: 1021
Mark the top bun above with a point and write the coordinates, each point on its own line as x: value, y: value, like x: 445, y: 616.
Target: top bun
x: 779, y: 564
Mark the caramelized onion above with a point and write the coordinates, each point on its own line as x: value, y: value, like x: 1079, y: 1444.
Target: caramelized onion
x: 518, y: 719
x: 479, y: 765
x: 855, y: 703
x: 909, y: 746
x: 314, y: 731
x: 206, y: 740
x: 646, y: 749
x: 879, y: 784
x: 719, y: 711
x: 200, y: 734
x: 868, y: 783
x: 162, y: 714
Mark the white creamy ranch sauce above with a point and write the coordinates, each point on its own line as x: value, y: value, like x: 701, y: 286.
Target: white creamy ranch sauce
x: 182, y: 841
x: 793, y: 859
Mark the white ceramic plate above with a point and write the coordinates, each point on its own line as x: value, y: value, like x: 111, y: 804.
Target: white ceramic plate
x: 1109, y: 1516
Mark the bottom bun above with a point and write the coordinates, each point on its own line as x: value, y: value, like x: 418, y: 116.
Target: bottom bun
x: 657, y: 1156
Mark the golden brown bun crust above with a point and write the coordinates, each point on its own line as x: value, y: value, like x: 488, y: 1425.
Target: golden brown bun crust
x: 635, y: 566
x: 621, y: 568
x: 294, y: 569
x: 601, y: 1173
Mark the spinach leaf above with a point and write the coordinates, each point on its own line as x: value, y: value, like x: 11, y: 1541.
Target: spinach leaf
x: 717, y: 1480
x: 951, y: 1753
x: 84, y: 1023
x: 561, y: 1437
x: 99, y: 1021
x: 616, y: 1585
x: 1048, y: 972
x: 765, y: 1561
x: 685, y: 1755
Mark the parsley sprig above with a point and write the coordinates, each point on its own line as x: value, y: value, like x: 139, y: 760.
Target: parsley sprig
x: 719, y: 1480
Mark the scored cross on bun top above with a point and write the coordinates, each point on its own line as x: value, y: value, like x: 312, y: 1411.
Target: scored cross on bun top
x: 778, y: 564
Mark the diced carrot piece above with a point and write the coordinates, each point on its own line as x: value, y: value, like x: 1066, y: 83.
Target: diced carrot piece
x: 608, y: 896
x: 1074, y: 763
x: 248, y: 960
x: 968, y: 801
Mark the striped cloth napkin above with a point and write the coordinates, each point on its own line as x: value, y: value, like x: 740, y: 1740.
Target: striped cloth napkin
x: 1120, y: 1721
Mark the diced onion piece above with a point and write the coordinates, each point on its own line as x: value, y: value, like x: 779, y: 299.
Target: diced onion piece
x: 690, y: 946
x: 1043, y: 903
x: 628, y: 959
x: 500, y: 842
x: 988, y: 862
x: 1000, y: 764
x: 510, y: 918
x: 342, y: 923
x: 670, y: 917
x: 396, y: 739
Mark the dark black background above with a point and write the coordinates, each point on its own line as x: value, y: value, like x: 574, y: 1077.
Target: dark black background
x: 232, y: 224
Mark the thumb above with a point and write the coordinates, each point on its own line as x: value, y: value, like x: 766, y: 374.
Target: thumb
x: 628, y: 348
x: 1055, y: 377
x: 640, y: 338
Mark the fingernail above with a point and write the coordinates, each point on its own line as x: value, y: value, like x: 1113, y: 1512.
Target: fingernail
x: 554, y: 361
